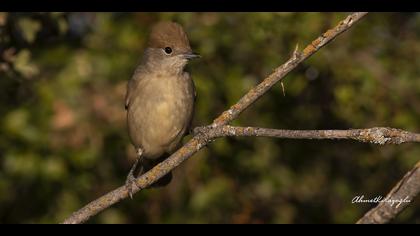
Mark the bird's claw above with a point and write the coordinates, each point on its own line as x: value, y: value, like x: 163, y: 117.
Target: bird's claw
x: 131, y: 185
x: 131, y: 179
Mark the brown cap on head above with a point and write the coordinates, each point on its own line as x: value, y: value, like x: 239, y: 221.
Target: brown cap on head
x: 169, y: 34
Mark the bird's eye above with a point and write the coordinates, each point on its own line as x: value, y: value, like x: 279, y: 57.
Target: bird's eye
x: 168, y: 50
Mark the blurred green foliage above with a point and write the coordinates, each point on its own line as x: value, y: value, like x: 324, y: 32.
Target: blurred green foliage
x: 63, y: 139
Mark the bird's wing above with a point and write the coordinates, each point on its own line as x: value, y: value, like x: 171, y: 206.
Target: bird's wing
x: 194, y: 90
x: 130, y: 88
x: 189, y: 128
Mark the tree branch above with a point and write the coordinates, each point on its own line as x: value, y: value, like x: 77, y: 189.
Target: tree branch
x: 203, y: 138
x: 397, y: 200
x: 376, y: 135
x: 281, y: 71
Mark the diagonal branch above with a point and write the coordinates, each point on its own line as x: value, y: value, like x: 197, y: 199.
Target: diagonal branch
x: 281, y: 71
x: 397, y: 200
x: 203, y: 138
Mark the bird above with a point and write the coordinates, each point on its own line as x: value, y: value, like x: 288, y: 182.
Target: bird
x: 160, y: 99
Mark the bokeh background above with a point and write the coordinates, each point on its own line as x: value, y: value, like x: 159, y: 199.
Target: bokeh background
x: 63, y: 138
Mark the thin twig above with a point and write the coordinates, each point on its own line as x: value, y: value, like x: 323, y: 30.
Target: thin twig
x: 202, y: 138
x: 397, y: 200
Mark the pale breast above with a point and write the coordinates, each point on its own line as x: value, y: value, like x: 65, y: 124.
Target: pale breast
x: 159, y: 113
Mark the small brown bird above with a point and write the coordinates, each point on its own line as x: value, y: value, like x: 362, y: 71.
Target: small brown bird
x: 160, y: 99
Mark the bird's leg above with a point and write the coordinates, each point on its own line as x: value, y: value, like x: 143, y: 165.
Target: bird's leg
x: 131, y: 179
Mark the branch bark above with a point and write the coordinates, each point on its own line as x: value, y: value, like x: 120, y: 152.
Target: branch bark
x: 202, y: 138
x: 397, y: 199
x: 376, y: 135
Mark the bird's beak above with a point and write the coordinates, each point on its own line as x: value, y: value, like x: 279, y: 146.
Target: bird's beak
x: 191, y: 55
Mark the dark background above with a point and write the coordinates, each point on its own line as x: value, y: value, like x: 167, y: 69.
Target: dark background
x: 63, y: 139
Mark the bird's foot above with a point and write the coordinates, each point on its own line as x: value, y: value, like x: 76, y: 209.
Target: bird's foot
x: 131, y: 185
x: 130, y: 182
